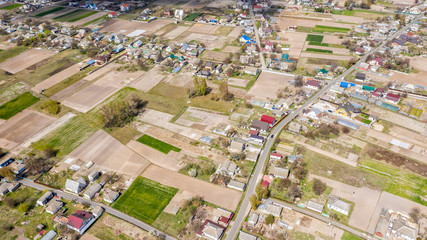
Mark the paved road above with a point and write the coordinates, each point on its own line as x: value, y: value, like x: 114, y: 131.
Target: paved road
x: 257, y: 175
x: 108, y: 209
x: 261, y: 56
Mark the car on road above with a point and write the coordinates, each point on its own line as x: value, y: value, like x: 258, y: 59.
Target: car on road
x: 272, y: 135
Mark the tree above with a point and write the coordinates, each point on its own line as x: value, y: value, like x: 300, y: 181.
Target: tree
x: 255, y: 201
x: 24, y: 207
x: 7, y: 173
x: 298, y: 81
x: 284, y: 183
x: 269, y: 219
x: 294, y: 191
x: 415, y: 214
x: 10, y: 202
x: 224, y: 93
x: 319, y: 187
x: 36, y: 165
x: 261, y: 192
x: 300, y: 172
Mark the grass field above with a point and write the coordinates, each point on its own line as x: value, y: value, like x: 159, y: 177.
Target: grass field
x: 401, y: 182
x: 68, y: 137
x: 12, y: 52
x: 16, y: 105
x: 124, y: 134
x: 12, y: 6
x: 349, y: 236
x: 42, y: 14
x: 300, y: 235
x: 207, y: 103
x: 97, y: 20
x: 157, y: 144
x: 192, y: 16
x: 318, y: 50
x: 314, y: 38
x: 321, y: 29
x: 74, y: 15
x: 145, y: 199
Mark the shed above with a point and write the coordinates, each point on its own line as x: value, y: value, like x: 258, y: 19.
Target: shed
x: 236, y: 185
x: 317, y: 207
x: 92, y: 190
x: 49, y: 236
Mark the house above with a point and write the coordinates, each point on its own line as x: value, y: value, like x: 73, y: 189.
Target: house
x: 80, y: 221
x: 312, y: 84
x: 393, y: 98
x: 256, y: 138
x: 268, y: 119
x: 171, y: 48
x: 210, y: 66
x: 93, y: 189
x: 210, y: 230
x: 251, y: 70
x: 168, y: 12
x: 54, y: 205
x: 317, y: 207
x: 403, y: 231
x: 179, y: 14
x: 245, y: 39
x: 3, y: 189
x: 112, y: 14
x: 253, y: 219
x: 227, y: 168
x: 279, y: 172
x: 335, y: 203
x: 49, y: 235
x: 294, y: 127
x: 252, y: 156
x: 97, y: 211
x: 378, y: 93
x: 125, y: 7
x: 347, y: 109
x: 43, y: 200
x: 275, y: 156
x: 269, y: 208
x: 6, y: 162
x: 94, y: 175
x: 260, y: 125
x: 110, y: 196
x: 314, y: 114
x: 236, y: 185
x: 236, y: 147
x: 360, y: 77
x: 246, y: 236
x: 75, y: 186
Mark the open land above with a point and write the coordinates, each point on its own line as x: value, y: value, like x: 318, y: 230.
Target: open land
x: 126, y: 27
x: 21, y: 127
x: 89, y: 18
x: 267, y: 84
x: 150, y: 79
x: 216, y: 56
x: 223, y: 197
x: 201, y: 119
x: 25, y: 60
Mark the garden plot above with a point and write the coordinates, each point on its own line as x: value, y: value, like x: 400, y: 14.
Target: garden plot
x: 57, y: 78
x: 235, y: 33
x: 176, y: 32
x: 350, y: 19
x: 203, y: 28
x: 215, y: 56
x: 223, y: 197
x: 126, y: 27
x: 25, y: 60
x: 90, y: 18
x: 21, y: 127
x: 331, y: 39
x: 184, y: 79
x: 326, y: 56
x: 92, y: 95
x: 202, y: 120
x: 296, y: 41
x: 267, y: 85
x: 340, y: 51
x: 237, y: 82
x: 231, y: 49
x: 109, y: 154
x: 149, y: 79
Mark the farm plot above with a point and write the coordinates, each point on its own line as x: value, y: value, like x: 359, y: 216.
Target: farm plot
x: 326, y: 56
x: 184, y: 79
x: 238, y: 82
x: 200, y: 119
x: 296, y: 41
x: 157, y: 144
x: 90, y: 18
x: 25, y: 60
x: 176, y: 32
x: 268, y: 83
x: 149, y: 79
x: 11, y: 6
x: 90, y: 96
x: 223, y: 197
x: 16, y: 105
x: 145, y: 199
x: 74, y: 16
x: 109, y: 154
x: 216, y: 56
x: 50, y: 11
x: 126, y: 27
x: 231, y: 49
x: 21, y: 127
x: 203, y: 28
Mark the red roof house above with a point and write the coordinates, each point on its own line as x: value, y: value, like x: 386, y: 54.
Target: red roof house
x: 313, y: 84
x: 392, y: 97
x: 377, y: 93
x: 80, y: 221
x: 112, y: 14
x: 253, y: 132
x: 275, y: 156
x: 268, y: 119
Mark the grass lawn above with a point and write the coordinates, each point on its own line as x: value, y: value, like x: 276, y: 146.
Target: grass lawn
x: 16, y: 105
x: 314, y: 38
x: 321, y: 28
x: 74, y: 15
x: 68, y: 137
x: 12, y: 52
x: 42, y: 14
x: 349, y: 236
x: 145, y: 199
x: 12, y: 6
x: 308, y: 193
x: 318, y: 50
x: 207, y: 103
x: 192, y: 16
x: 157, y: 144
x: 401, y: 182
x: 321, y: 165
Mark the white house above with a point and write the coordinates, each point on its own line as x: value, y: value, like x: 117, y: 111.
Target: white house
x: 335, y: 203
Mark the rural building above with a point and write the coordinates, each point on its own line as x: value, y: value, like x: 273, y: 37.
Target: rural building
x: 110, y: 196
x: 312, y: 84
x: 92, y: 190
x: 236, y: 185
x: 269, y: 208
x: 112, y: 14
x: 294, y: 127
x: 54, y: 205
x: 393, y: 98
x: 346, y: 110
x: 125, y: 7
x: 292, y: 158
x: 347, y: 124
x: 253, y: 219
x: 179, y: 14
x: 275, y: 156
x: 94, y: 175
x: 80, y: 221
x: 360, y: 77
x: 6, y: 162
x: 236, y: 147
x: 43, y: 200
x: 252, y: 156
x: 335, y: 203
x: 246, y: 236
x: 256, y: 138
x: 210, y: 230
x: 268, y: 119
x: 227, y: 168
x: 8, y: 187
x: 314, y: 113
x: 279, y: 172
x: 75, y: 186
x: 317, y: 207
x: 49, y: 235
x: 97, y: 211
x: 260, y: 125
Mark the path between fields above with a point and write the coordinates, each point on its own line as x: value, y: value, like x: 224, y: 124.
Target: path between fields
x: 223, y: 197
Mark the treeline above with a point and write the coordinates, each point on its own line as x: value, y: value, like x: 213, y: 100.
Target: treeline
x: 120, y: 113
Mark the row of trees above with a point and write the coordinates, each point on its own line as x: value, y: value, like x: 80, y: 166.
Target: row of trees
x: 119, y: 113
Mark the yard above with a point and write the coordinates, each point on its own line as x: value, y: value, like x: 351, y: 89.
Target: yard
x: 74, y: 16
x: 157, y: 144
x: 53, y: 10
x: 145, y: 199
x: 16, y: 105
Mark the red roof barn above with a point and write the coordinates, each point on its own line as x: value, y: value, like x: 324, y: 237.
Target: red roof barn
x: 268, y: 119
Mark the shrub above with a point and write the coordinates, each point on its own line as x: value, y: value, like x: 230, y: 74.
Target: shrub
x: 51, y: 107
x: 319, y: 187
x: 269, y: 219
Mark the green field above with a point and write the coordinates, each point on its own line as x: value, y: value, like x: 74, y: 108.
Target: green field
x: 349, y: 236
x: 416, y: 112
x: 318, y: 50
x: 192, y: 16
x: 12, y: 52
x: 97, y: 20
x: 74, y: 16
x: 314, y: 38
x: 42, y: 14
x: 16, y: 105
x: 157, y: 144
x: 16, y: 5
x: 318, y: 44
x: 145, y: 199
x: 321, y: 29
x: 67, y: 82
